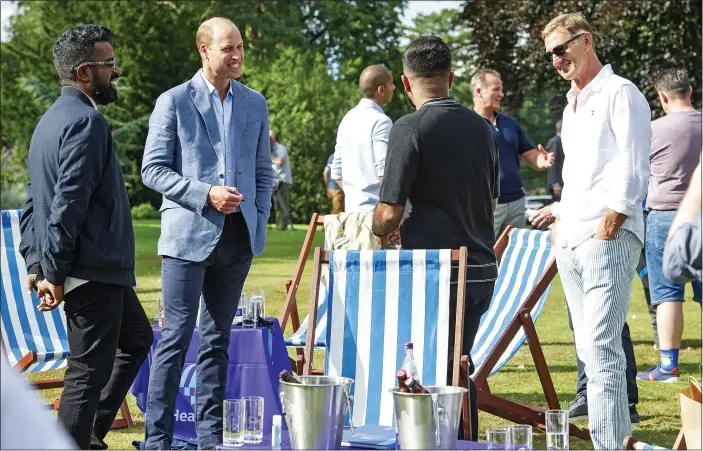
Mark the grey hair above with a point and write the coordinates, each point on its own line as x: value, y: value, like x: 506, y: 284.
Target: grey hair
x: 673, y: 82
x: 479, y: 78
x: 77, y: 46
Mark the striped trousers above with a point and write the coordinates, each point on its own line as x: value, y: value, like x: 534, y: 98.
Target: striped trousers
x: 597, y: 280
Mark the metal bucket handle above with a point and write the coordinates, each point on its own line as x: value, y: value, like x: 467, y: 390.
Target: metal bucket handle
x: 435, y: 414
x: 349, y: 398
x: 282, y: 397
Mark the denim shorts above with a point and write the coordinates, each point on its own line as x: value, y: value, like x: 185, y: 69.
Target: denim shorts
x: 662, y: 289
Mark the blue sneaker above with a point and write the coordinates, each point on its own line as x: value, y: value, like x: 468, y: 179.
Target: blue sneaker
x: 656, y: 374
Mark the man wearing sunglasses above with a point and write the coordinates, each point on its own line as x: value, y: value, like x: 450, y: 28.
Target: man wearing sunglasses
x: 599, y: 229
x: 77, y: 237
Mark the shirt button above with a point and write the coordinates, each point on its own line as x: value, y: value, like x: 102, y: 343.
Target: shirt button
x: 222, y: 176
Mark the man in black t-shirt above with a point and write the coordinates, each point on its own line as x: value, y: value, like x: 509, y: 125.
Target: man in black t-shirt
x: 442, y: 162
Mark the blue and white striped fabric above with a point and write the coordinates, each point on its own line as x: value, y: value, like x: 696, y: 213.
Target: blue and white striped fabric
x: 24, y: 328
x: 299, y: 337
x: 523, y: 263
x: 379, y: 300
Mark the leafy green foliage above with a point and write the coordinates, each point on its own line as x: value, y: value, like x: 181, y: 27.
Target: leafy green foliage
x: 304, y: 56
x: 144, y: 211
x: 638, y: 37
x: 305, y: 107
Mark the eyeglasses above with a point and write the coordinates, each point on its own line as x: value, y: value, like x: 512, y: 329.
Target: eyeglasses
x: 559, y: 50
x: 111, y: 64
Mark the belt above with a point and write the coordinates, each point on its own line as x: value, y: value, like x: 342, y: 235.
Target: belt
x: 234, y: 217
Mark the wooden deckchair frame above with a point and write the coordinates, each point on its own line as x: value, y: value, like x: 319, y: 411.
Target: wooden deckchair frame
x: 31, y: 357
x: 290, y: 307
x: 510, y: 410
x: 459, y: 361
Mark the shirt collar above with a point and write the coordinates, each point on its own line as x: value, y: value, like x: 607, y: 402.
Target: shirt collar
x: 211, y: 88
x: 593, y: 86
x: 368, y: 103
x: 89, y: 98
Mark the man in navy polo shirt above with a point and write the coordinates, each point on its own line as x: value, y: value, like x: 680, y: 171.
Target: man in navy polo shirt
x: 513, y: 143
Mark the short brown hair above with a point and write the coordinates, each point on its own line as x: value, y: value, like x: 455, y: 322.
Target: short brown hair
x: 574, y: 23
x: 479, y: 78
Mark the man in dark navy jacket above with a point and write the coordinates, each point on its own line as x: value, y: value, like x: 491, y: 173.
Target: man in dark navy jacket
x: 77, y: 237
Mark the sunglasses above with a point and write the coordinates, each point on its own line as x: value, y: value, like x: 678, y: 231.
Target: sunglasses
x: 559, y: 50
x: 111, y: 64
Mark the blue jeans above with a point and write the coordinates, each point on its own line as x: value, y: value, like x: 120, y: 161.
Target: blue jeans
x: 220, y: 278
x: 662, y: 289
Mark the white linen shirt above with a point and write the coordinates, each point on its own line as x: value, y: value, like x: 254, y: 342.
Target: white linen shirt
x: 360, y: 155
x: 606, y: 141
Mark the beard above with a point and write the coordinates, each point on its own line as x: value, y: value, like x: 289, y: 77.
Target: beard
x: 104, y: 93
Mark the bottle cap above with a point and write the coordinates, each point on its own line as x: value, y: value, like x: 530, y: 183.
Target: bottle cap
x: 409, y: 381
x: 408, y: 345
x: 401, y: 373
x: 276, y: 420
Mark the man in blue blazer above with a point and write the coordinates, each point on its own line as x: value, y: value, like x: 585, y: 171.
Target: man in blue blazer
x: 208, y: 153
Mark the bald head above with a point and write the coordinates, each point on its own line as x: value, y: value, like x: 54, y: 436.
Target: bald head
x: 372, y: 77
x: 209, y: 28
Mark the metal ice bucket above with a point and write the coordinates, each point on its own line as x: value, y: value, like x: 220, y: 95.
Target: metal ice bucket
x: 428, y: 421
x: 315, y: 410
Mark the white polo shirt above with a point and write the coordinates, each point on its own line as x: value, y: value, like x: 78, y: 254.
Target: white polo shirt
x: 360, y: 155
x: 606, y: 134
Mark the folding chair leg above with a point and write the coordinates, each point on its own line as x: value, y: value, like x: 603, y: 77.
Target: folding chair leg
x: 545, y: 377
x: 466, y: 408
x: 126, y: 420
x: 680, y: 442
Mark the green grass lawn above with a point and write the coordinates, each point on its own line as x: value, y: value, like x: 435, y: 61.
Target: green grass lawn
x: 517, y: 380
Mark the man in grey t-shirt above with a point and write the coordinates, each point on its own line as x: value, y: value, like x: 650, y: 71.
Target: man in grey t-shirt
x: 675, y: 153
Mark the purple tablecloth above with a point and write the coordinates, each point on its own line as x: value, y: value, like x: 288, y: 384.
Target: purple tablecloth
x: 256, y: 357
x: 285, y: 443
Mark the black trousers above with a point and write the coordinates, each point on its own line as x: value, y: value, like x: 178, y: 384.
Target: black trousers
x: 109, y: 337
x: 478, y: 299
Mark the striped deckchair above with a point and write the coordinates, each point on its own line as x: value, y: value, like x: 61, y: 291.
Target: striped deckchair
x: 34, y: 341
x: 525, y: 274
x: 298, y: 339
x: 377, y: 301
x: 632, y: 443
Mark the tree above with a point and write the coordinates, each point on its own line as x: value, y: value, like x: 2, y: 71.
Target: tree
x: 305, y: 107
x: 448, y: 25
x: 638, y: 37
x: 155, y: 48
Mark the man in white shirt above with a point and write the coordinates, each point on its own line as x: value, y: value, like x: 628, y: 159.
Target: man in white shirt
x: 599, y: 230
x: 362, y: 140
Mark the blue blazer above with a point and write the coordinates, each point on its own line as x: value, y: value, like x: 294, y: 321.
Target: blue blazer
x: 184, y: 156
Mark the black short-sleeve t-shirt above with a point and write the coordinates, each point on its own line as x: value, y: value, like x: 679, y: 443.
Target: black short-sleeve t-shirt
x: 442, y: 163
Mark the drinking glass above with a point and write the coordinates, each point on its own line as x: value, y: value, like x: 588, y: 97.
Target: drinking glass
x: 520, y: 436
x: 253, y: 419
x: 233, y: 422
x: 241, y: 309
x: 557, y: 429
x: 497, y: 438
x: 255, y: 309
